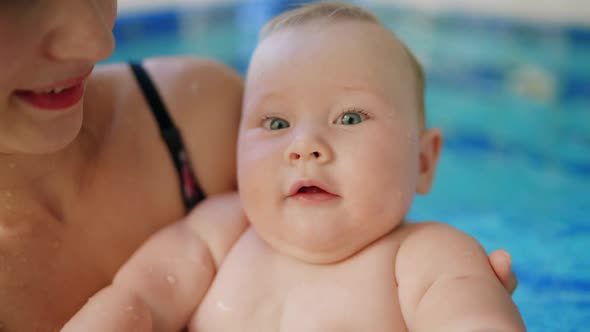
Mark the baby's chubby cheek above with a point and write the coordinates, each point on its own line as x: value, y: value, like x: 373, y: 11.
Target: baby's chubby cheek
x: 384, y: 197
x: 257, y: 186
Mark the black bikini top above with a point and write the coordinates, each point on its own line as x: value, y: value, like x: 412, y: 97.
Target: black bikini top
x: 191, y: 191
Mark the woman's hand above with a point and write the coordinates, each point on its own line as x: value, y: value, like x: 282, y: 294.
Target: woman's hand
x: 501, y: 263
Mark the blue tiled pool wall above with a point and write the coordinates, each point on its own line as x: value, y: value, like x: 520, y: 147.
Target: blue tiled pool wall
x: 522, y: 78
x: 509, y: 43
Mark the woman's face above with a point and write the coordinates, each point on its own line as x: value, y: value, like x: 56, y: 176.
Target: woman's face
x: 47, y: 50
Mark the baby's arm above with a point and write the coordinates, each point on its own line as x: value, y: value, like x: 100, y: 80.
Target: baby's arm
x: 165, y: 280
x: 446, y: 283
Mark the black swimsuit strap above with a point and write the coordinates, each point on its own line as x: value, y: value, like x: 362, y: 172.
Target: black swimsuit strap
x: 191, y: 192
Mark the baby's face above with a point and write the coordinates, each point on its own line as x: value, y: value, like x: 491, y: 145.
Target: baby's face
x: 329, y: 146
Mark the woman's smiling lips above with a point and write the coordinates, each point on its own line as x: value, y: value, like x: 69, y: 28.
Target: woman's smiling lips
x: 309, y: 191
x: 57, y: 96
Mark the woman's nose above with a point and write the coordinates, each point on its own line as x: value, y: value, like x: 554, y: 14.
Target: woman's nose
x: 82, y: 30
x: 308, y: 149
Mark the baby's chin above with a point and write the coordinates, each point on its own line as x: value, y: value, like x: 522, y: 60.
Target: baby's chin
x: 322, y: 240
x: 311, y: 251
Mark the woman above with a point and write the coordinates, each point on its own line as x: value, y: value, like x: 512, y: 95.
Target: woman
x: 94, y: 161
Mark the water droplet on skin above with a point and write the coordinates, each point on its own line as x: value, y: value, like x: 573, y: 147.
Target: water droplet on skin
x: 130, y: 308
x: 171, y: 280
x: 222, y: 306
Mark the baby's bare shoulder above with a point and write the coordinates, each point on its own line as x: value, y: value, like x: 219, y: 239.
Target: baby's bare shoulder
x: 219, y: 221
x: 439, y: 248
x: 436, y: 232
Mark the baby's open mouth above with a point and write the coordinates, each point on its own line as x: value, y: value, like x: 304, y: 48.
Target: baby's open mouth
x: 310, y: 190
x: 312, y: 194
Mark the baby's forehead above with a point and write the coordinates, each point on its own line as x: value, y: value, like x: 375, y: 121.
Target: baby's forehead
x: 314, y: 59
x: 368, y: 43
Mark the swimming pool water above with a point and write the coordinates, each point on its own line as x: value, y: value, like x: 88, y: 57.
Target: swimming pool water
x: 513, y: 101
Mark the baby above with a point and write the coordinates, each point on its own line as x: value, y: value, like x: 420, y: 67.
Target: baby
x: 332, y: 149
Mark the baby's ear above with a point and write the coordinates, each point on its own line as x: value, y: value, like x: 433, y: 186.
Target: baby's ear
x: 430, y: 145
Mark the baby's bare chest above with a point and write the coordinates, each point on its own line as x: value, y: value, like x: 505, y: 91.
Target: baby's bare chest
x: 262, y: 292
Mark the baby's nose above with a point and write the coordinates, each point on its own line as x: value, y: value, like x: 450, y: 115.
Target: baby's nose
x: 312, y: 155
x: 308, y: 149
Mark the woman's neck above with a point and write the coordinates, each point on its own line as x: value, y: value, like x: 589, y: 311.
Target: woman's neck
x: 22, y: 170
x: 50, y: 180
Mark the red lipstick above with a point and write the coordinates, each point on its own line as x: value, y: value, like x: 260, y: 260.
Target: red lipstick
x: 56, y: 97
x: 53, y: 101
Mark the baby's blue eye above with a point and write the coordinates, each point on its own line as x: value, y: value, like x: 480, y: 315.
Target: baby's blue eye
x: 350, y: 118
x: 275, y: 123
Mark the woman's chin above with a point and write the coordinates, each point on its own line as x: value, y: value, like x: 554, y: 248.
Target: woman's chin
x: 55, y: 138
x: 38, y: 135
x: 46, y: 143
x: 57, y: 144
x: 52, y: 149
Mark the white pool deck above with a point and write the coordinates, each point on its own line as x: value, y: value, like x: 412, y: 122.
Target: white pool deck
x: 558, y: 11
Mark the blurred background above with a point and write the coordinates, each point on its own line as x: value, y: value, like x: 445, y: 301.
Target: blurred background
x: 508, y: 83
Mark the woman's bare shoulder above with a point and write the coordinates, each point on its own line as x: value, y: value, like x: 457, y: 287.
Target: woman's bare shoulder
x: 187, y: 82
x: 204, y: 98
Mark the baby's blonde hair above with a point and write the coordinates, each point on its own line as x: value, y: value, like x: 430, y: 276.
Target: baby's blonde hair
x: 342, y: 11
